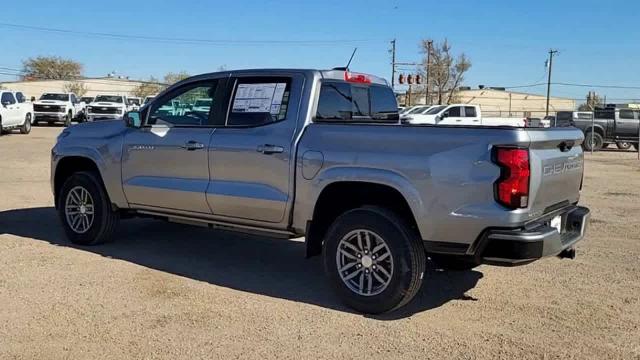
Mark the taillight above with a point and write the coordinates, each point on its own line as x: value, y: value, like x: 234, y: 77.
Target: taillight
x: 356, y: 78
x: 512, y: 189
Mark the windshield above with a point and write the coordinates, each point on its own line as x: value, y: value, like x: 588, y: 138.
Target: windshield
x: 436, y: 110
x: 148, y: 99
x: 109, y: 98
x: 417, y: 110
x: 86, y: 99
x: 58, y: 97
x: 134, y: 101
x: 202, y: 103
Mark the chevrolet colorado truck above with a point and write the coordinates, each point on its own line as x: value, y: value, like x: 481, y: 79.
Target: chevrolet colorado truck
x: 322, y: 154
x: 15, y: 112
x: 105, y: 107
x: 56, y: 107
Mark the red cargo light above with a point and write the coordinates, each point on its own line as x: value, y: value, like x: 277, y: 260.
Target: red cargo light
x: 512, y: 189
x: 356, y: 78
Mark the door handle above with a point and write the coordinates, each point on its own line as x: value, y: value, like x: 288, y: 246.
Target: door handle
x: 192, y: 145
x: 268, y: 149
x: 458, y: 120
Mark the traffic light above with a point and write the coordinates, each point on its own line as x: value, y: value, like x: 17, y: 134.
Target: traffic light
x: 401, y: 79
x: 409, y: 79
x: 418, y: 79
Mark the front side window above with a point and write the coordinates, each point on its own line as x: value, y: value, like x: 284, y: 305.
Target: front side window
x: 20, y: 97
x: 453, y: 112
x: 7, y: 99
x: 259, y: 101
x: 56, y: 97
x: 179, y: 108
x: 73, y: 99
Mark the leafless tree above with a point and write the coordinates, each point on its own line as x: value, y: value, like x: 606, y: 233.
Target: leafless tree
x: 445, y: 71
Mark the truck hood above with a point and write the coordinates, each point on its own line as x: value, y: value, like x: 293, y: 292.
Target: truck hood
x: 97, y: 129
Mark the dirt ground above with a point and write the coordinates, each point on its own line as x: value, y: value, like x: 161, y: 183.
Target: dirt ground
x: 171, y: 291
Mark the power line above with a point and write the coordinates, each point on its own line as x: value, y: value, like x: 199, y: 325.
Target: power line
x: 184, y: 40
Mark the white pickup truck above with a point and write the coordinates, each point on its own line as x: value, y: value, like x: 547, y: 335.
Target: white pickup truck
x: 461, y: 114
x: 56, y: 107
x: 106, y: 107
x: 15, y: 112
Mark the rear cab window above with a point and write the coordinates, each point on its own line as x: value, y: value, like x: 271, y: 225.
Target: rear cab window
x: 346, y: 102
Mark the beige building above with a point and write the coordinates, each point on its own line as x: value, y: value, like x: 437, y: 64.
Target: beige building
x: 94, y: 86
x: 504, y: 103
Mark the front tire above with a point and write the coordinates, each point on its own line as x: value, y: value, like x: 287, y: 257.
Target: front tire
x: 594, y: 143
x: 85, y: 210
x: 374, y: 259
x: 26, y: 127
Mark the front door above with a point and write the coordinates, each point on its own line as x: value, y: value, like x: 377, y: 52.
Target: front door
x: 453, y: 116
x: 165, y: 163
x: 11, y: 110
x: 252, y: 155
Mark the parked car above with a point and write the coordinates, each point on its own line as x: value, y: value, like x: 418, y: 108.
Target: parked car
x: 134, y: 103
x: 322, y: 154
x: 56, y: 107
x: 15, y: 112
x: 461, y: 114
x: 106, y: 107
x: 619, y: 126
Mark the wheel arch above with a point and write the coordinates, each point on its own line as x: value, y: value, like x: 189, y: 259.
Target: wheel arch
x: 67, y: 166
x: 338, y: 194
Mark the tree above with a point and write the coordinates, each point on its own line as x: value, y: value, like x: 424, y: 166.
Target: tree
x: 445, y: 71
x: 592, y: 101
x: 172, y: 78
x: 51, y: 67
x: 148, y: 88
x: 76, y: 87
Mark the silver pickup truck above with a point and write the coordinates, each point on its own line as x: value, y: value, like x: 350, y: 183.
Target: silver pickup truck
x: 322, y: 154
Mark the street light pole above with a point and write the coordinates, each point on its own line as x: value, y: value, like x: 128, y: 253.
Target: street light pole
x: 551, y: 53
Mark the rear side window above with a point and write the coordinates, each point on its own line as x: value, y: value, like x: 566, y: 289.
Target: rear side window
x: 7, y: 98
x: 341, y: 101
x: 469, y: 111
x: 259, y: 101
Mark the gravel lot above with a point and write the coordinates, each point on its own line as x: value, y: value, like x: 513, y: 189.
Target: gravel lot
x: 171, y: 291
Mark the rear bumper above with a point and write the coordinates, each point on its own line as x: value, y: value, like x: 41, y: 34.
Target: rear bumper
x: 536, y: 240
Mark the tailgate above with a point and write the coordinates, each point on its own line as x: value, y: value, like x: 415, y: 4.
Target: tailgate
x: 557, y: 165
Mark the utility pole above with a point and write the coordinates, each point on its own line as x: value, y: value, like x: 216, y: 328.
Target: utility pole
x: 551, y: 53
x: 393, y: 63
x: 429, y: 43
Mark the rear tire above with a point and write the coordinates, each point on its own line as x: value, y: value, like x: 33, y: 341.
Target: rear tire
x: 367, y: 284
x: 453, y: 262
x: 85, y: 210
x: 623, y: 145
x: 595, y: 143
x: 26, y: 127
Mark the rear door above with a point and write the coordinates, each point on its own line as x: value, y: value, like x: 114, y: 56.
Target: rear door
x: 252, y: 153
x: 556, y: 162
x: 627, y: 124
x: 165, y: 163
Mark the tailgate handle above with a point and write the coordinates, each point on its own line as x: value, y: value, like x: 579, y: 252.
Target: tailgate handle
x: 566, y: 145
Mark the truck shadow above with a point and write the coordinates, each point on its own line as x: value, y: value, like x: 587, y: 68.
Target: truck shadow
x: 271, y: 267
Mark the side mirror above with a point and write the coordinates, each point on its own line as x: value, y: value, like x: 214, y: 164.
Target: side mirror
x: 133, y: 119
x: 444, y: 115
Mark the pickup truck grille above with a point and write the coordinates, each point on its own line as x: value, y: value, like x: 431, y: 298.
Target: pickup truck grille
x: 47, y: 108
x: 104, y: 110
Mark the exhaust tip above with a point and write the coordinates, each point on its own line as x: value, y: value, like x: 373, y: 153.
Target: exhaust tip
x: 568, y: 254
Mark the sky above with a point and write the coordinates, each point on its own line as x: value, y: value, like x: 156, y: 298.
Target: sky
x: 507, y: 41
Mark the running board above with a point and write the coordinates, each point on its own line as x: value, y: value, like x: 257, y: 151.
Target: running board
x: 218, y: 225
